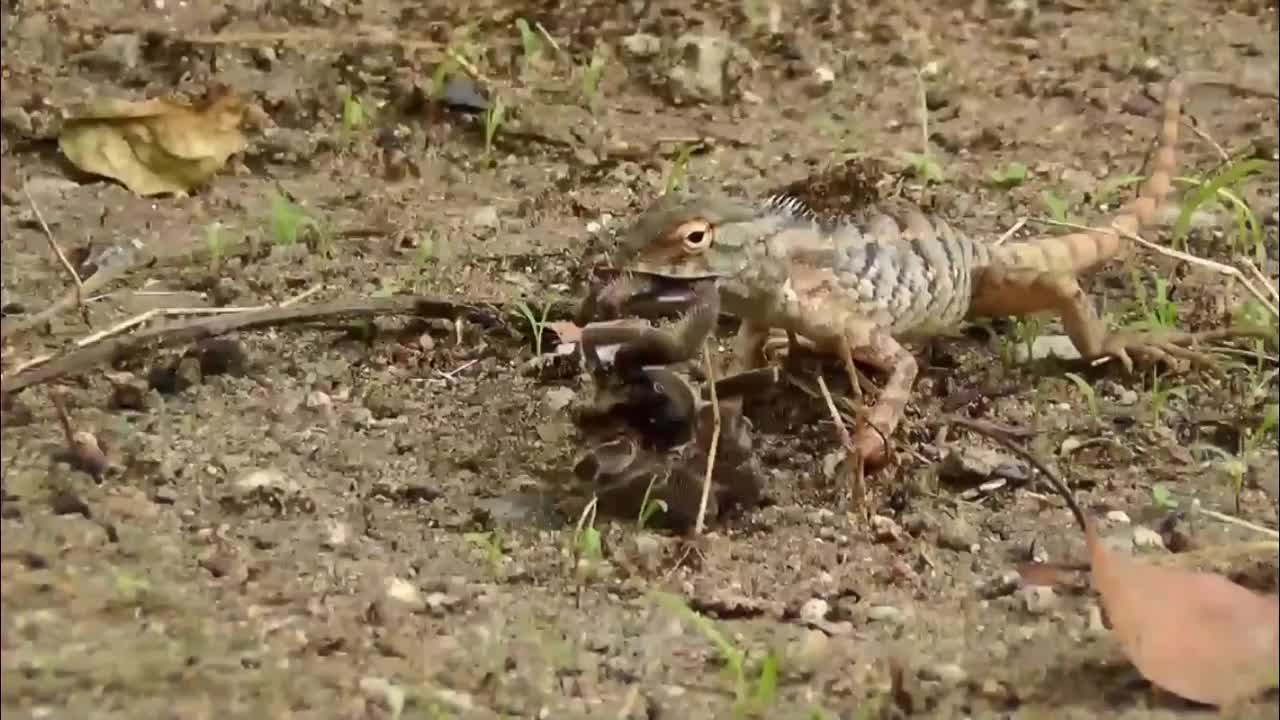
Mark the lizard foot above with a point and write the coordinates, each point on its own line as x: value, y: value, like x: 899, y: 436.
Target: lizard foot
x: 870, y: 446
x: 1171, y: 348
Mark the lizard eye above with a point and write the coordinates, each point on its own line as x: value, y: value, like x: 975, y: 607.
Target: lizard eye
x: 695, y: 236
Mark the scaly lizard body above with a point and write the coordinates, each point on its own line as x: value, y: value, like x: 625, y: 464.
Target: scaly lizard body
x: 856, y: 286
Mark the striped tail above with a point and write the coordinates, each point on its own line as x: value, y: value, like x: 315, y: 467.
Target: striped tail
x: 1085, y: 249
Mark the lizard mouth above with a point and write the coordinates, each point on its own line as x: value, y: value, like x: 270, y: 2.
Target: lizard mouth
x: 636, y: 292
x: 640, y: 289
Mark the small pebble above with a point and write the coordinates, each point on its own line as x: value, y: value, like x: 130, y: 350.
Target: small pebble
x: 641, y: 45
x: 1118, y: 517
x: 1038, y: 599
x: 485, y: 217
x: 957, y: 534
x: 885, y: 530
x: 339, y: 533
x: 949, y: 674
x: 887, y: 614
x: 1145, y: 538
x: 405, y: 592
x: 822, y: 81
x: 317, y: 400
x: 1000, y: 586
x: 814, y: 610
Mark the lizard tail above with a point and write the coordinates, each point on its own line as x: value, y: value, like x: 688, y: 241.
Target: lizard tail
x: 1082, y: 250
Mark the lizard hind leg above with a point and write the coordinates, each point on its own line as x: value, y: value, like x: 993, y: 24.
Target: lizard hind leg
x: 1172, y: 347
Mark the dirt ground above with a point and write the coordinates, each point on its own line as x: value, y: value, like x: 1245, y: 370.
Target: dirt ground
x: 362, y: 518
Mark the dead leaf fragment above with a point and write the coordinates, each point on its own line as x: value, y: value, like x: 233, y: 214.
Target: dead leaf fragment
x: 567, y: 332
x: 155, y: 146
x: 1197, y: 635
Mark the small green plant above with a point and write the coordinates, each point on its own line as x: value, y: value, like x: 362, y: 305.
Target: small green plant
x: 1055, y: 205
x: 492, y: 545
x: 1225, y: 188
x: 493, y: 119
x: 843, y: 138
x: 1090, y: 397
x: 754, y: 12
x: 924, y: 167
x: 354, y: 115
x: 675, y: 177
x: 1158, y: 311
x: 750, y: 698
x: 213, y: 240
x: 585, y: 547
x: 537, y: 324
x: 1162, y: 498
x: 649, y: 505
x: 130, y: 590
x: 426, y: 250
x: 922, y: 163
x: 1112, y: 186
x: 1011, y: 175
x: 288, y: 220
x: 1160, y: 397
x: 1234, y: 467
x: 440, y: 78
x: 591, y: 75
x: 530, y: 45
x: 1026, y: 330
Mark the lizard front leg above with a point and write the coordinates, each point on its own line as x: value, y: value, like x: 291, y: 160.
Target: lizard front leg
x: 1062, y: 294
x: 855, y: 338
x: 886, y: 354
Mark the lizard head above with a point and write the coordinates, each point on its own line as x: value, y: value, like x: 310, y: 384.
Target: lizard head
x: 689, y: 235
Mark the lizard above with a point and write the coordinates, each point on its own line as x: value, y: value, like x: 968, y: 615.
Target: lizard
x: 856, y: 287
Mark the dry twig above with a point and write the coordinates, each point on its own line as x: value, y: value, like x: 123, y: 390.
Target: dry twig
x: 84, y: 358
x: 859, y: 484
x: 699, y: 525
x: 62, y: 257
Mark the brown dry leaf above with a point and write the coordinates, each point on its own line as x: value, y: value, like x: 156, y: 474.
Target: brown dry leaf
x: 566, y: 331
x: 1197, y: 635
x: 156, y: 146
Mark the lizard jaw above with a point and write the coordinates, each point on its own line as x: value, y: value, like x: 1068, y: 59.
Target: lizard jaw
x: 651, y: 288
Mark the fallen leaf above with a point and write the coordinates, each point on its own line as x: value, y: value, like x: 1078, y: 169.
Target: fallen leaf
x: 155, y: 146
x: 1197, y: 635
x: 566, y: 331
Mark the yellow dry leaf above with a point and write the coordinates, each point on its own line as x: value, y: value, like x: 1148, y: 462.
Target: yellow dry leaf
x: 155, y: 146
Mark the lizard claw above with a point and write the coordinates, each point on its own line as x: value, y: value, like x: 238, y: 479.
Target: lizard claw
x: 1171, y: 348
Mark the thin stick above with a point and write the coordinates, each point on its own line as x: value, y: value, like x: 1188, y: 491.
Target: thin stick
x: 699, y: 525
x: 1009, y: 233
x: 133, y: 322
x: 1231, y: 520
x: 986, y: 430
x: 302, y: 296
x: 859, y: 475
x: 1170, y: 252
x: 62, y: 258
x: 924, y: 113
x: 105, y: 274
x: 1266, y: 282
x: 588, y: 511
x: 1222, y: 153
x: 550, y: 40
x: 1217, y: 554
x: 83, y: 359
